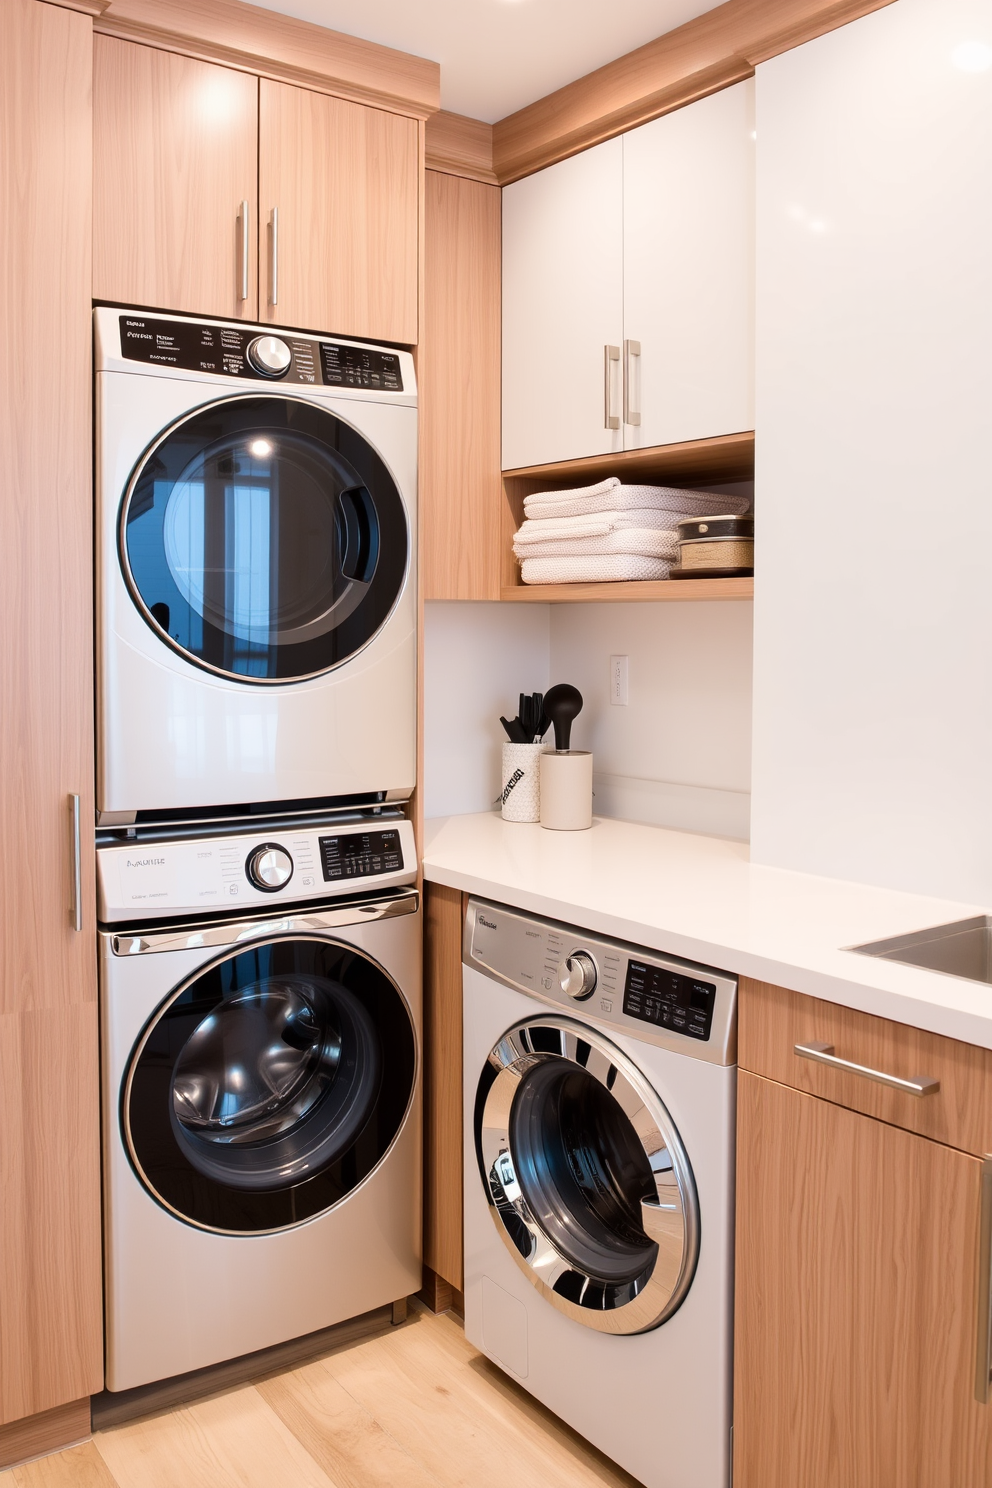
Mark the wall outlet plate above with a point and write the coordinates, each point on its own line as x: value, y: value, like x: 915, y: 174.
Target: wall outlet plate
x: 618, y: 681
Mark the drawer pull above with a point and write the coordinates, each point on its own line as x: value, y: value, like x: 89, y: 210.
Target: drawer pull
x: 611, y: 360
x: 824, y: 1054
x: 983, y: 1381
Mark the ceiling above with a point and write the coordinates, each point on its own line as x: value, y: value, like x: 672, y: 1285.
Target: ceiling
x: 498, y: 55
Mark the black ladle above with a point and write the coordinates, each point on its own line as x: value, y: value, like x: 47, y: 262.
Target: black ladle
x: 561, y: 705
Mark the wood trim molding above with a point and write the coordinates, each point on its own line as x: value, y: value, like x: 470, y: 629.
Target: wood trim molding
x: 460, y: 146
x: 49, y: 1431
x: 86, y: 7
x: 711, y: 52
x: 280, y: 47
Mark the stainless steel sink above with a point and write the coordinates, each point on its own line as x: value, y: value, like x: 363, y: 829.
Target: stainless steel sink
x: 961, y: 949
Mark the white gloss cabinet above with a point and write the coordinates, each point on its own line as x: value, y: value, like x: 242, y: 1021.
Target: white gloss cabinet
x: 873, y: 607
x: 562, y: 306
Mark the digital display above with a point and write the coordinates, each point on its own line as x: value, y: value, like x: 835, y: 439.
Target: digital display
x: 359, y: 366
x: 360, y: 854
x: 669, y: 999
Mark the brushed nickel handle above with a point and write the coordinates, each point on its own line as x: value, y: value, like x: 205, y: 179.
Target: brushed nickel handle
x: 76, y: 906
x: 824, y: 1054
x: 611, y: 360
x: 274, y: 255
x: 244, y: 223
x: 631, y: 354
x: 983, y: 1375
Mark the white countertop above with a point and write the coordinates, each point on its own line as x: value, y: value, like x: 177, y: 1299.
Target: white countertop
x: 700, y: 898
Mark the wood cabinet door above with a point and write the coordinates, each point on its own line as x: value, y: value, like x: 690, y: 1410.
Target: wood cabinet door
x: 857, y: 1301
x: 341, y: 255
x: 562, y: 307
x: 688, y: 271
x: 175, y: 158
x: 51, y: 1344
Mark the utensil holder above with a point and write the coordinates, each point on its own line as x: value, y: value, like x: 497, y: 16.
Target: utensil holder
x: 566, y: 790
x: 520, y: 791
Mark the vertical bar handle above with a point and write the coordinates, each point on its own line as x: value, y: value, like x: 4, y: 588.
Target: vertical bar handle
x: 76, y: 848
x: 244, y: 224
x: 611, y: 360
x: 274, y: 255
x: 631, y: 400
x: 983, y: 1374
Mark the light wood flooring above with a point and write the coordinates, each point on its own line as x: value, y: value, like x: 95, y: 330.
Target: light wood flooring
x: 410, y: 1407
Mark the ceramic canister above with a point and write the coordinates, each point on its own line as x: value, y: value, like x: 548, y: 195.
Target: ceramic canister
x: 566, y: 790
x: 520, y: 792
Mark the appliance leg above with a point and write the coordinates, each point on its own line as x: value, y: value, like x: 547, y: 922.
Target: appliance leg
x: 399, y: 1311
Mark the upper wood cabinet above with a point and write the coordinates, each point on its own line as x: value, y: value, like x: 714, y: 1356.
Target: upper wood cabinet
x: 628, y: 290
x: 339, y: 200
x: 175, y: 158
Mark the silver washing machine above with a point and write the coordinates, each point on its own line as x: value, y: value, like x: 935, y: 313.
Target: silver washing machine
x: 261, y: 1086
x: 256, y: 575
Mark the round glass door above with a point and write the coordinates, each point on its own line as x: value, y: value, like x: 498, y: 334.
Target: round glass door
x: 586, y: 1176
x: 264, y: 539
x: 269, y: 1086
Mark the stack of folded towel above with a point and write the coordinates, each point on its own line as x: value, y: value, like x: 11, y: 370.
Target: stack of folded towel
x: 609, y: 531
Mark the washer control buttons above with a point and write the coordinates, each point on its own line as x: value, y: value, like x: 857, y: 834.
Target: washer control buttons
x: 577, y: 975
x: 270, y: 356
x: 269, y: 867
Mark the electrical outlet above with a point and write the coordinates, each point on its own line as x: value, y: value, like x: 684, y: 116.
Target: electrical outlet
x: 618, y: 681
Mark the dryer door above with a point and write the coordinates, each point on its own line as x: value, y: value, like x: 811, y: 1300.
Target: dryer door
x: 588, y: 1182
x: 264, y: 539
x: 270, y: 1085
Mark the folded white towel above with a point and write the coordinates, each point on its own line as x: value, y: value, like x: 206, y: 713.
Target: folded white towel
x: 612, y: 496
x: 592, y: 570
x: 596, y: 524
x: 645, y: 541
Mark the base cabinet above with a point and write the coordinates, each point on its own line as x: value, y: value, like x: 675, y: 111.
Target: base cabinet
x: 858, y: 1298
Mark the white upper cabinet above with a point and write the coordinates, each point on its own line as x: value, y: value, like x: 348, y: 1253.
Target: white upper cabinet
x: 562, y: 307
x: 688, y: 271
x: 628, y: 289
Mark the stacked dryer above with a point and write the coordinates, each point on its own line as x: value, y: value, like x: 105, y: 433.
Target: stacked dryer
x: 260, y: 951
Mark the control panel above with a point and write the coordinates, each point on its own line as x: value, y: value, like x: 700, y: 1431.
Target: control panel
x: 241, y: 351
x: 161, y: 879
x: 652, y: 997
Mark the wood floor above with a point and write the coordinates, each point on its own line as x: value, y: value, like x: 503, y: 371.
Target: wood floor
x: 410, y: 1407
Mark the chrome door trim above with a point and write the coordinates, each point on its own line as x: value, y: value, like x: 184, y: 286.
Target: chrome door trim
x: 240, y: 932
x: 672, y: 1223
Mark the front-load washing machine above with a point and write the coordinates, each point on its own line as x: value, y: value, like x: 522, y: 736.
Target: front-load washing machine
x: 261, y: 1087
x: 600, y: 1087
x: 256, y: 589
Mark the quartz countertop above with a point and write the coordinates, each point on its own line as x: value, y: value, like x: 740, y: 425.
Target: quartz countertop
x: 702, y: 899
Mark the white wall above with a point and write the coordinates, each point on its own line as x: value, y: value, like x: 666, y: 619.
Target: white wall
x: 873, y: 607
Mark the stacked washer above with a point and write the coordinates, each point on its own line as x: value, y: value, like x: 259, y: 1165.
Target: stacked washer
x: 260, y: 935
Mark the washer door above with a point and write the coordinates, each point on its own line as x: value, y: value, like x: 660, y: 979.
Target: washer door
x: 588, y: 1182
x: 264, y: 539
x: 269, y: 1086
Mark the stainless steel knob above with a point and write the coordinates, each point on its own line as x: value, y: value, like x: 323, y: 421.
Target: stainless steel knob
x: 577, y: 975
x: 270, y: 356
x: 269, y: 867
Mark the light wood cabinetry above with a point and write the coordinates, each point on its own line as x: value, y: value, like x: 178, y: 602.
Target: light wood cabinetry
x: 51, y: 1352
x: 343, y: 179
x: 443, y: 1082
x: 175, y: 157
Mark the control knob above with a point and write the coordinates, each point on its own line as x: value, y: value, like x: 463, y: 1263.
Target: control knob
x: 577, y: 975
x: 269, y: 356
x: 269, y: 867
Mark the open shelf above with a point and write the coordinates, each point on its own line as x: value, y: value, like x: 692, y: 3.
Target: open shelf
x: 696, y: 463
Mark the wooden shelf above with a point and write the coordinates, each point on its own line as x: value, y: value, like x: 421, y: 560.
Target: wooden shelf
x: 672, y: 589
x: 728, y: 457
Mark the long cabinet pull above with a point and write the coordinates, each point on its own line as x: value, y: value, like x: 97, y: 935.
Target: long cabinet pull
x: 631, y: 398
x: 824, y: 1054
x: 983, y: 1376
x: 76, y: 847
x: 274, y: 255
x: 611, y: 360
x: 245, y: 252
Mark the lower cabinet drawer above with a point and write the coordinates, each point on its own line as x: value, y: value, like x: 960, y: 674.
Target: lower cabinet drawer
x: 957, y: 1078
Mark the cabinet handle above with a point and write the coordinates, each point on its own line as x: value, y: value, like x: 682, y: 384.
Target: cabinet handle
x: 632, y: 354
x: 824, y: 1054
x: 611, y: 359
x: 243, y: 223
x: 274, y: 255
x: 76, y: 848
x: 983, y: 1377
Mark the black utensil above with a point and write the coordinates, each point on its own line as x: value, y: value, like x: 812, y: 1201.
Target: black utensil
x: 514, y: 730
x: 562, y: 704
x: 541, y: 721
